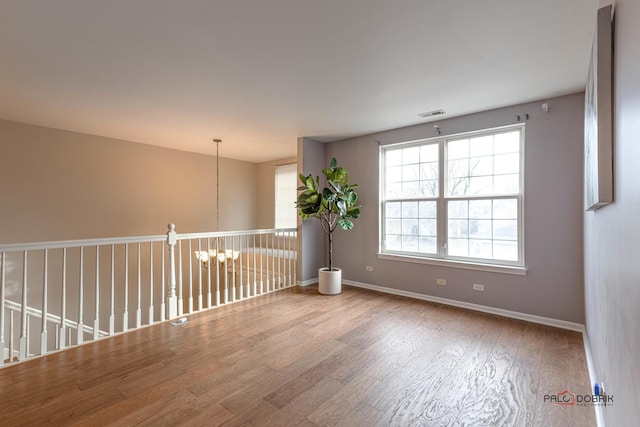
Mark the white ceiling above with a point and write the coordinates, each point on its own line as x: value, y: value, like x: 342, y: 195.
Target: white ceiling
x: 261, y: 73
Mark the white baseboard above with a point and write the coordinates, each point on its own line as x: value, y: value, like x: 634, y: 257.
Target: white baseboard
x: 593, y: 377
x: 563, y: 324
x: 308, y: 282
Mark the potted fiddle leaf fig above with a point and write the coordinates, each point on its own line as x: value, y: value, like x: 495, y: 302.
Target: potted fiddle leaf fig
x: 335, y: 206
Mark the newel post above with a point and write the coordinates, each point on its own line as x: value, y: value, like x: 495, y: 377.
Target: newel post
x: 172, y: 299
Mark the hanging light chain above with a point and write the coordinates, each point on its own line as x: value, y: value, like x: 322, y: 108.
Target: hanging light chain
x: 217, y: 141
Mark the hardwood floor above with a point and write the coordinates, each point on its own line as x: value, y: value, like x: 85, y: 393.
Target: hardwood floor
x: 297, y: 358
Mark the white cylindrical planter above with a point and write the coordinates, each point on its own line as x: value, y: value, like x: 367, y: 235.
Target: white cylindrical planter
x: 330, y: 282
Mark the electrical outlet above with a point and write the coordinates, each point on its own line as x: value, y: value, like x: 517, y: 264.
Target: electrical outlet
x: 441, y: 282
x: 368, y: 268
x: 478, y: 287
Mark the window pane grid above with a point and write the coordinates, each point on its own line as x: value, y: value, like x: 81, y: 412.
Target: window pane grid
x: 411, y: 226
x: 484, y: 165
x: 484, y: 229
x: 412, y: 172
x: 480, y: 210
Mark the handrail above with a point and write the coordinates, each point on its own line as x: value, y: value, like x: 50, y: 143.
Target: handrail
x: 184, y: 236
x: 60, y: 244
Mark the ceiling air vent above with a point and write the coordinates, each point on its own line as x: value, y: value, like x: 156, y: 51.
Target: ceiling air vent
x: 431, y: 114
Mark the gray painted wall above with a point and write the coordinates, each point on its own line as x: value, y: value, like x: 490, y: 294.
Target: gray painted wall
x: 553, y: 286
x: 612, y: 240
x: 311, y: 239
x: 59, y: 185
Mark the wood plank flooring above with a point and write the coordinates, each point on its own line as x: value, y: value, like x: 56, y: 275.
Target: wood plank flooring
x: 298, y: 358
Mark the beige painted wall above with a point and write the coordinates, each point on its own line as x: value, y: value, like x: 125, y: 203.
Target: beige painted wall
x: 266, y: 191
x: 63, y: 185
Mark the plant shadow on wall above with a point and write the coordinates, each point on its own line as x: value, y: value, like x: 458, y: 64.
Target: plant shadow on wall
x: 335, y: 206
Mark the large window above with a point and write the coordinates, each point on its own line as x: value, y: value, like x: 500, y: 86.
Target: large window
x: 285, y: 196
x: 457, y: 197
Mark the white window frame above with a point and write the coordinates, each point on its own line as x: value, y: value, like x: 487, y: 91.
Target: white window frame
x: 287, y: 202
x: 442, y: 258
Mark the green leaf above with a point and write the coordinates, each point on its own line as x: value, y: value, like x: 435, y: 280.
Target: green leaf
x: 336, y: 186
x: 345, y: 224
x: 309, y: 211
x: 338, y: 175
x: 352, y: 198
x: 334, y: 162
x: 353, y: 213
x: 309, y: 183
x: 328, y: 194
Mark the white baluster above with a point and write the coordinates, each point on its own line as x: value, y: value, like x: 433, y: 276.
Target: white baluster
x: 226, y: 276
x: 180, y: 282
x: 63, y: 303
x: 254, y: 267
x: 288, y: 259
x: 125, y: 314
x: 96, y: 318
x: 23, y: 322
x: 233, y: 269
x: 239, y: 272
x: 217, y: 264
x: 80, y: 330
x: 279, y: 255
x: 290, y: 256
x: 2, y: 287
x: 28, y: 330
x: 163, y: 313
x: 172, y: 299
x: 269, y: 258
x: 190, y: 278
x: 151, y: 283
x: 180, y: 300
x: 11, y: 335
x: 209, y: 266
x: 43, y: 328
x: 112, y: 314
x: 246, y: 245
x: 200, y: 274
x: 273, y: 258
x: 139, y: 290
x: 261, y: 275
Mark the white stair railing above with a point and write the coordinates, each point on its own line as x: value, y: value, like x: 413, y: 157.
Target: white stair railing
x: 225, y: 267
x: 84, y: 290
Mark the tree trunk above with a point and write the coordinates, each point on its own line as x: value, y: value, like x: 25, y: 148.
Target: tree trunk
x: 330, y: 251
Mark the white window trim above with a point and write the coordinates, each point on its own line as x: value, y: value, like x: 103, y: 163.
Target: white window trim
x: 498, y: 266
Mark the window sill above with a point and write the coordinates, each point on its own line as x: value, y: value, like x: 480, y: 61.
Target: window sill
x: 506, y: 269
